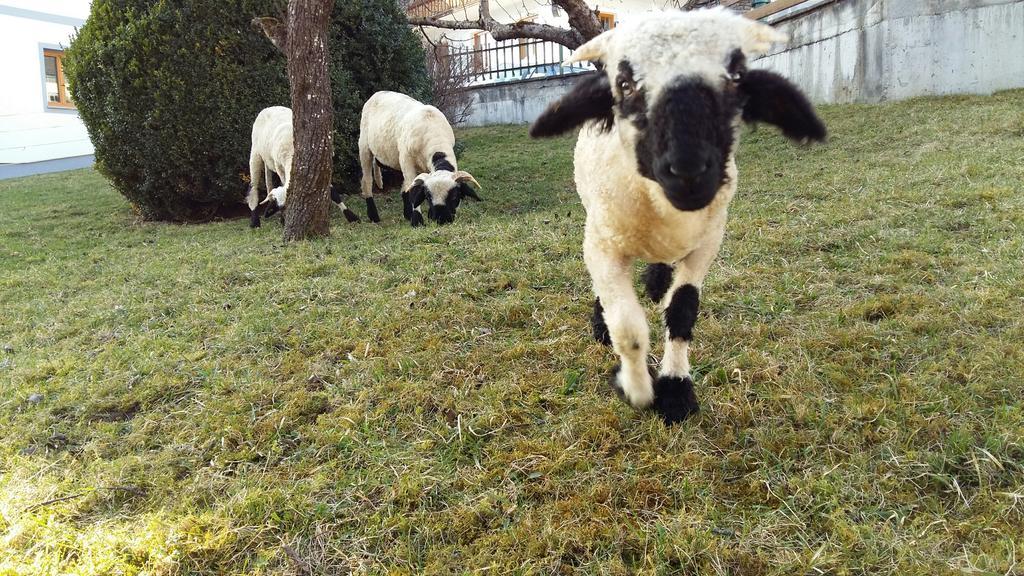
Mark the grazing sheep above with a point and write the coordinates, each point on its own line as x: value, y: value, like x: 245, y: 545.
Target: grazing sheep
x: 655, y: 169
x: 275, y: 201
x: 404, y: 134
x: 272, y: 152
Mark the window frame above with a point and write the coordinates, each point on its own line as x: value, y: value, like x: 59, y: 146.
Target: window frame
x: 527, y: 45
x: 479, y: 44
x: 608, y: 17
x: 64, y: 103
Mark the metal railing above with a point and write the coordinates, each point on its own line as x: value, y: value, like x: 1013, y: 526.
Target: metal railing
x: 490, y: 62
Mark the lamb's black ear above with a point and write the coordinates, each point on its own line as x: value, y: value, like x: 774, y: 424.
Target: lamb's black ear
x: 590, y: 99
x: 772, y: 99
x: 418, y: 193
x: 467, y: 184
x: 468, y: 191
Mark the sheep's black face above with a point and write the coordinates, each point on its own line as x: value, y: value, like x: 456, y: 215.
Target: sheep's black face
x: 444, y: 213
x: 442, y: 191
x: 672, y: 88
x: 684, y: 139
x: 272, y: 207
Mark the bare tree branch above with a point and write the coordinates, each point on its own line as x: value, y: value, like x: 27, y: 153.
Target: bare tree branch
x: 449, y: 75
x: 300, y: 565
x: 581, y: 17
x: 427, y: 39
x: 275, y: 29
x: 583, y: 23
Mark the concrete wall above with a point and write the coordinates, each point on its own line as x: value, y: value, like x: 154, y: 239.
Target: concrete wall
x: 516, y: 102
x: 875, y: 50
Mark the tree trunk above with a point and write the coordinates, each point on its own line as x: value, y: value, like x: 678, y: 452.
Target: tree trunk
x: 303, y: 39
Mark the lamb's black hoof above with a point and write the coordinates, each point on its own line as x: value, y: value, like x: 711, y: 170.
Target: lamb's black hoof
x: 657, y: 280
x: 674, y: 398
x: 597, y: 324
x: 350, y: 215
x: 416, y: 219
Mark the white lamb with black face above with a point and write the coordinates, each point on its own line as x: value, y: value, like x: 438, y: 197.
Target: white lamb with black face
x: 272, y: 151
x: 655, y: 168
x: 404, y: 134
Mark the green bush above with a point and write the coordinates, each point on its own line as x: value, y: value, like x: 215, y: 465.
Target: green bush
x: 169, y: 91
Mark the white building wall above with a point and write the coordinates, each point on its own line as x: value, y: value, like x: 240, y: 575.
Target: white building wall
x: 69, y: 8
x: 33, y: 137
x: 22, y: 42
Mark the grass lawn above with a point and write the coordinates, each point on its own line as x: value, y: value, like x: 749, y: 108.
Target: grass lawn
x: 206, y: 400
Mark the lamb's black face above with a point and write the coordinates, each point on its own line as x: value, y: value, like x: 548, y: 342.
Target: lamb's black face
x: 272, y: 208
x: 442, y: 192
x: 680, y: 120
x: 445, y: 213
x: 684, y: 138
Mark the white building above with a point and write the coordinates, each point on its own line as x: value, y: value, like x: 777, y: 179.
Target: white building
x: 40, y: 130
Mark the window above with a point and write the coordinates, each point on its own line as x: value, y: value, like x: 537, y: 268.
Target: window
x: 527, y: 50
x: 57, y: 93
x: 607, y: 20
x: 478, y: 51
x: 527, y: 47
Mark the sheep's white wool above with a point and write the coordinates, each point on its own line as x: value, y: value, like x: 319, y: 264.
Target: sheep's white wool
x: 279, y: 194
x: 272, y: 150
x: 438, y: 183
x: 629, y: 218
x: 655, y: 168
x: 629, y: 215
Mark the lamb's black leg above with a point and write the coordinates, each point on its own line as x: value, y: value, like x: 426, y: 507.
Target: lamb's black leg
x: 406, y: 207
x: 350, y: 215
x: 336, y: 198
x: 371, y: 210
x: 411, y: 214
x: 674, y: 397
x: 597, y: 324
x: 657, y: 280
